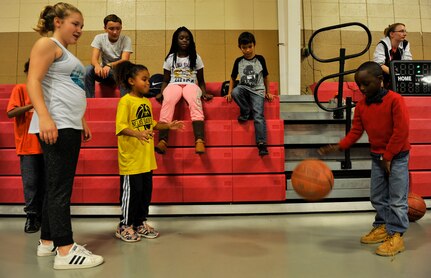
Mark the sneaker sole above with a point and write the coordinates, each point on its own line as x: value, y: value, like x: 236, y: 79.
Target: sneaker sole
x: 149, y: 237
x: 157, y: 150
x: 75, y: 266
x: 39, y: 254
x: 390, y: 254
x: 31, y: 231
x: 126, y: 240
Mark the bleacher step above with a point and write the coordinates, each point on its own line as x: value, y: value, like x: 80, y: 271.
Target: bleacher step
x: 344, y: 188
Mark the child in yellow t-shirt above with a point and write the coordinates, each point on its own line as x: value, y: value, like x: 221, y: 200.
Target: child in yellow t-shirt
x: 136, y: 159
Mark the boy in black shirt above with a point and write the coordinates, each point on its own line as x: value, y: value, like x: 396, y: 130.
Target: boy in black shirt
x: 252, y: 89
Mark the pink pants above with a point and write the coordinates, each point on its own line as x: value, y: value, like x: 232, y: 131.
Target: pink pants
x: 173, y: 93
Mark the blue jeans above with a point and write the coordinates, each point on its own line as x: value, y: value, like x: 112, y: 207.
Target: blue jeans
x: 389, y: 194
x: 251, y: 103
x: 91, y: 77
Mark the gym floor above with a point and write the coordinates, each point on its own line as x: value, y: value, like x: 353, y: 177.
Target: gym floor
x: 282, y: 245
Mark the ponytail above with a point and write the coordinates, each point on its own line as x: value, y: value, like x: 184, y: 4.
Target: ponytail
x: 61, y: 10
x: 124, y: 71
x: 391, y: 28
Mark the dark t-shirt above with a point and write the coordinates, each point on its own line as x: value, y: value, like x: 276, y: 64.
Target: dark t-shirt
x: 251, y: 73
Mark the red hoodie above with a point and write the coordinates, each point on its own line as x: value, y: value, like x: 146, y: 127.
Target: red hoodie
x: 386, y: 123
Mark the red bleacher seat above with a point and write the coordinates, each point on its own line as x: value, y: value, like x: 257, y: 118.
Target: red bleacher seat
x: 216, y: 109
x: 7, y: 138
x: 207, y: 188
x: 420, y: 138
x: 328, y: 90
x: 182, y: 175
x: 98, y: 161
x: 217, y: 133
x: 420, y: 131
x: 101, y: 109
x: 105, y: 91
x: 265, y: 187
x: 247, y: 160
x: 96, y: 190
x: 420, y: 183
x: 213, y: 161
x: 11, y: 191
x: 3, y: 107
x: 6, y: 90
x: 214, y: 88
x: 420, y: 157
x: 9, y: 162
x: 171, y: 162
x: 243, y: 134
x: 167, y: 189
x: 418, y: 106
x: 103, y: 135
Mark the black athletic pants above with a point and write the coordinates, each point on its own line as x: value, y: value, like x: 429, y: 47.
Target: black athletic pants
x: 135, y: 198
x: 61, y: 160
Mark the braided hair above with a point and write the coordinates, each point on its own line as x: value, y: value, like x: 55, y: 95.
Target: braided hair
x: 191, y: 50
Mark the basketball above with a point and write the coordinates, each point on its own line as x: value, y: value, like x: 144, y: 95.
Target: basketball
x: 417, y: 207
x: 312, y: 179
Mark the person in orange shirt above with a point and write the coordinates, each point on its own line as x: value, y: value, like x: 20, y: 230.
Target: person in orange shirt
x: 30, y: 154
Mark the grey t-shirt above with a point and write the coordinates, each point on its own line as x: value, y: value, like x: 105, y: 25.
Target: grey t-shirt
x: 111, y: 52
x: 251, y: 73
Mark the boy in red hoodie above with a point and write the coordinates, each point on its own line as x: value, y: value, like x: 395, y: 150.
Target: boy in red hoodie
x: 383, y: 115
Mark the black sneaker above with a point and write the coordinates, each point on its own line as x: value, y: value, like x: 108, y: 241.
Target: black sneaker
x: 161, y: 147
x: 32, y: 224
x: 262, y: 149
x: 242, y: 119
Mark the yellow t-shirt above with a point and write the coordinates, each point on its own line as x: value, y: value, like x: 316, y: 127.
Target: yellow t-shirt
x: 135, y: 156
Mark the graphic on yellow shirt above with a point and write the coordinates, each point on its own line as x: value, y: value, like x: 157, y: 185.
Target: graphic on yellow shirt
x: 143, y: 118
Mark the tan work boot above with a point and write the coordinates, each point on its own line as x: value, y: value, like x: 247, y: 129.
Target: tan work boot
x: 200, y: 146
x: 393, y: 245
x: 161, y: 147
x: 376, y: 235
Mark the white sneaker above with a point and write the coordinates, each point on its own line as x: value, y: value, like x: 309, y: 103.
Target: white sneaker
x: 46, y: 250
x: 78, y: 257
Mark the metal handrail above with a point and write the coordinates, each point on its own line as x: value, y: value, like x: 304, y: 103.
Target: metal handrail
x: 338, y: 111
x: 338, y: 114
x: 339, y: 26
x: 316, y: 99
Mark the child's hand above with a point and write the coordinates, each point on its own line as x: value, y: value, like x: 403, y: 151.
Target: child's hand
x: 386, y: 165
x: 145, y: 135
x: 228, y: 97
x: 328, y: 149
x: 86, y: 132
x: 159, y: 98
x: 207, y: 97
x: 269, y: 96
x: 48, y: 131
x: 176, y: 125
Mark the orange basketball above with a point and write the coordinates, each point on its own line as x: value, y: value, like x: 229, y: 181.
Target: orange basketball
x: 417, y: 207
x: 312, y: 179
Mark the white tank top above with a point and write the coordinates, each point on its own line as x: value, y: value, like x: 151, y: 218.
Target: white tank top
x: 63, y: 92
